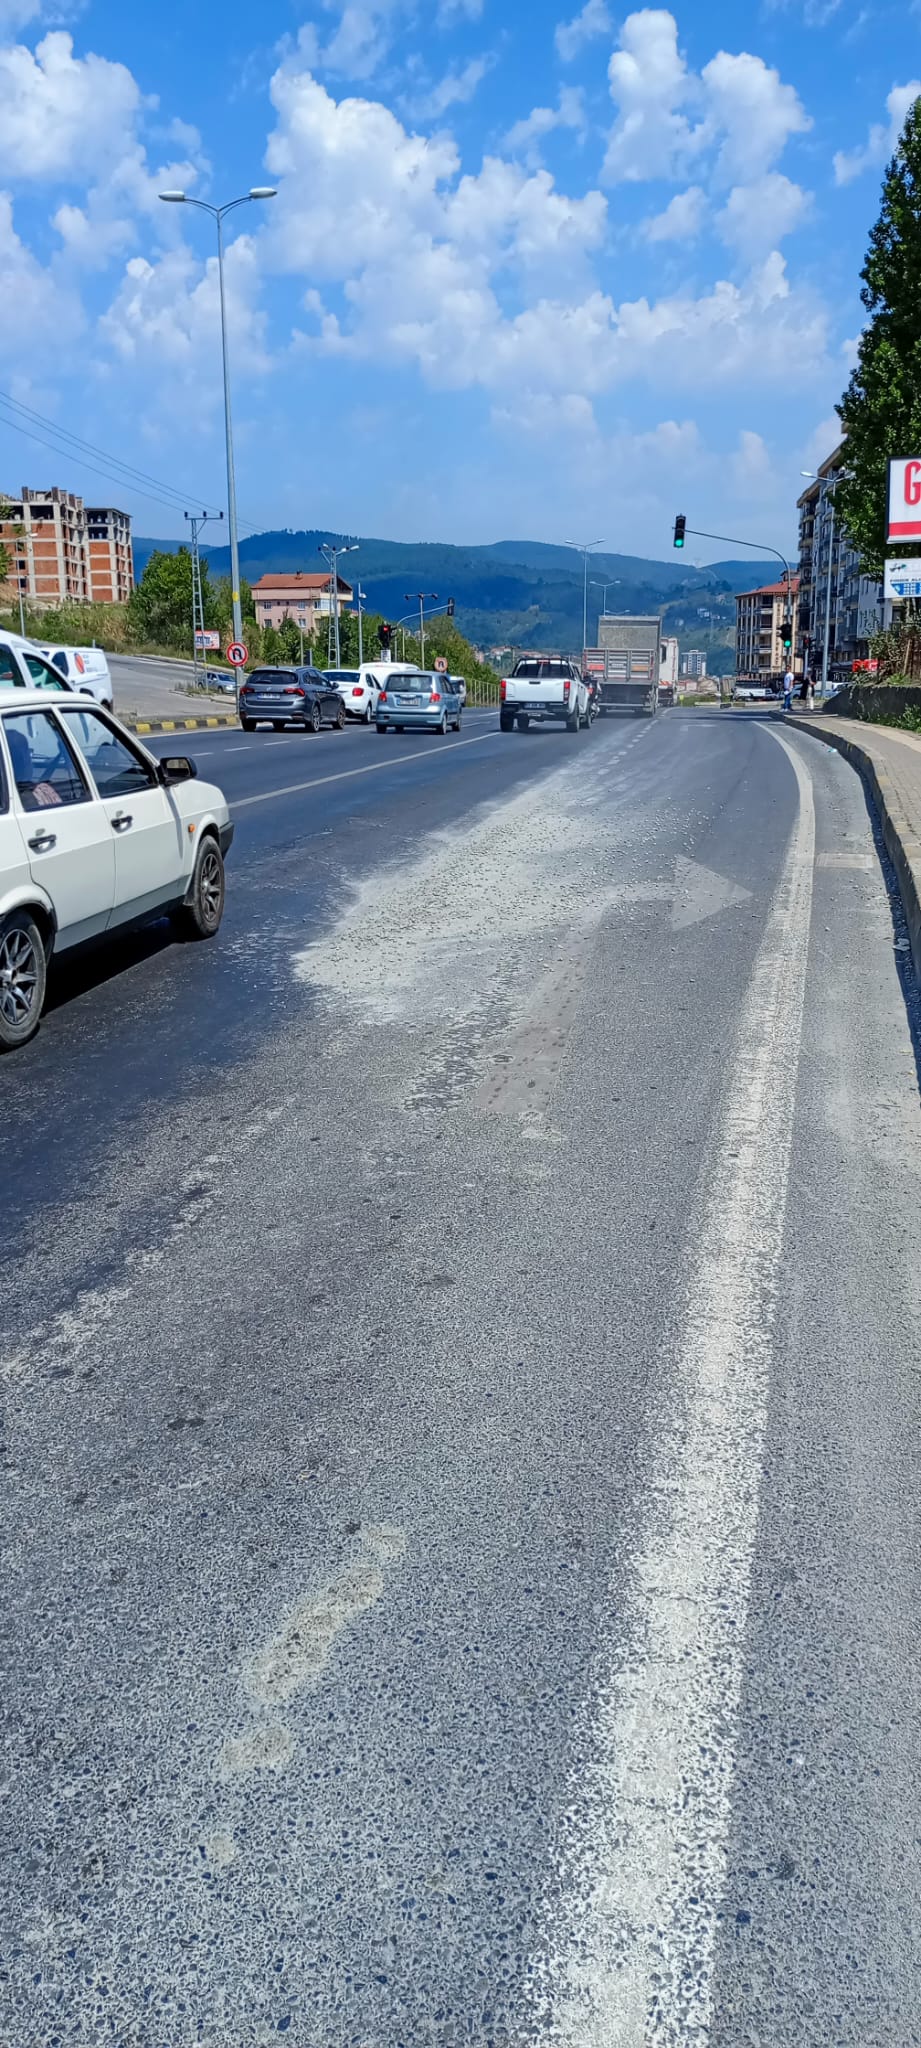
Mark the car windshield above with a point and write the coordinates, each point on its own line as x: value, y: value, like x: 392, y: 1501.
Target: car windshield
x: 546, y: 671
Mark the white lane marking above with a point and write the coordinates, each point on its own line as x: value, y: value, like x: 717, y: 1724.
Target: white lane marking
x: 266, y: 796
x: 629, y: 1952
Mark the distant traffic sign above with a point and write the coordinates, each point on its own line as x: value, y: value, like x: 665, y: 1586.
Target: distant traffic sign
x: 902, y: 578
x: 237, y: 653
x: 441, y: 665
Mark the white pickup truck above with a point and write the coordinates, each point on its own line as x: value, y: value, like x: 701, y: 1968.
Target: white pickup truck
x: 542, y: 688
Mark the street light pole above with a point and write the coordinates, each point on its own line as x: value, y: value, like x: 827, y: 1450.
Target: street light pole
x: 584, y: 547
x: 218, y: 214
x: 421, y: 597
x: 330, y: 554
x: 361, y: 645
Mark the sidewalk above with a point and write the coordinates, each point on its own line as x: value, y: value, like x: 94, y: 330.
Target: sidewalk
x: 890, y: 762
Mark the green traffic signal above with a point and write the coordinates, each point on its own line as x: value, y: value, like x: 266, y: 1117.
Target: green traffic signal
x: 680, y: 525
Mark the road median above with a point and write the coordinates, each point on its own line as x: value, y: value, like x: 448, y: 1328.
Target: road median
x: 155, y: 725
x: 890, y: 763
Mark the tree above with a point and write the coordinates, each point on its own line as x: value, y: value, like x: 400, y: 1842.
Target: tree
x: 272, y: 648
x: 881, y: 409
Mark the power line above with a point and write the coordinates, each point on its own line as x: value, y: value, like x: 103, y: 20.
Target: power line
x: 24, y: 419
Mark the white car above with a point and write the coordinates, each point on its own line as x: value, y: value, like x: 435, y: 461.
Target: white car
x: 24, y: 667
x: 360, y: 688
x: 95, y: 834
x: 84, y: 669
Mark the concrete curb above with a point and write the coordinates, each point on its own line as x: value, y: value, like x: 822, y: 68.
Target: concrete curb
x: 144, y: 725
x: 902, y: 843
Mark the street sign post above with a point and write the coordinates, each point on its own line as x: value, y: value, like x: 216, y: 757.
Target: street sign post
x: 904, y: 521
x: 902, y: 578
x: 237, y: 653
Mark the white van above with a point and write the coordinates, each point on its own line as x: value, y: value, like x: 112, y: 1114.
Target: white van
x: 85, y: 670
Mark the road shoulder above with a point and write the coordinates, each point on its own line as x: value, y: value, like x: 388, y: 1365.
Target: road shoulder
x: 890, y: 764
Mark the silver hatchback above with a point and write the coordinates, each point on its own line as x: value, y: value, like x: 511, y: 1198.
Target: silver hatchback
x: 428, y: 702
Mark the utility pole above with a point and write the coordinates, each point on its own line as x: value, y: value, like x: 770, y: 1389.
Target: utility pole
x: 196, y: 522
x: 361, y: 595
x: 421, y: 598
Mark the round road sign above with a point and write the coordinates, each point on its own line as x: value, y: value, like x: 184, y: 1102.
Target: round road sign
x: 441, y: 665
x: 237, y: 653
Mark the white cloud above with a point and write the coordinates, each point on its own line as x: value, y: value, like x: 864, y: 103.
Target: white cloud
x: 681, y: 220
x: 571, y: 36
x: 61, y: 112
x: 650, y: 83
x: 458, y: 249
x: 15, y: 13
x: 751, y: 465
x: 759, y: 216
x: 166, y: 315
x: 525, y: 137
x: 456, y: 88
x: 882, y: 139
x: 451, y: 11
x: 44, y: 310
x: 91, y: 243
x: 754, y: 111
x: 738, y: 108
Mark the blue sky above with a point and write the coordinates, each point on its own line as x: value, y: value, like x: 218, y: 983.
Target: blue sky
x: 530, y: 271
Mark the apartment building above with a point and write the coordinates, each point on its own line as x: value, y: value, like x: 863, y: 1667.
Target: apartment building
x: 831, y: 581
x: 765, y: 619
x: 62, y: 553
x: 300, y: 596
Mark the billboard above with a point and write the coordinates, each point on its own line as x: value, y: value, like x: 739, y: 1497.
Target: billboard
x: 207, y: 640
x: 904, y: 521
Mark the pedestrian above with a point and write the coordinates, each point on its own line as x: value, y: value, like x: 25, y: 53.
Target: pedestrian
x: 788, y: 690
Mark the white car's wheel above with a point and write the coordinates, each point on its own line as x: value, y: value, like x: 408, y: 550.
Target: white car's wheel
x: 22, y: 979
x: 204, y: 906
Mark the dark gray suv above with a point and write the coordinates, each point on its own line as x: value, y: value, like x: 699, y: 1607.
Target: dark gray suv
x: 290, y: 696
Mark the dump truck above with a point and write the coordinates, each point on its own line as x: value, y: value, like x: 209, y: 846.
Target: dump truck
x: 626, y: 666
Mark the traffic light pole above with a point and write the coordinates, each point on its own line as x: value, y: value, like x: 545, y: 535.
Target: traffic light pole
x: 759, y: 548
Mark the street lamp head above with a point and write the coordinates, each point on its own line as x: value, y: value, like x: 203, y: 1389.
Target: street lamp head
x: 173, y: 198
x: 263, y: 191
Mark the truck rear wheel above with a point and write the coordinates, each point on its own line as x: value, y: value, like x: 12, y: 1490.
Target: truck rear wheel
x: 574, y: 721
x: 523, y: 721
x: 506, y: 721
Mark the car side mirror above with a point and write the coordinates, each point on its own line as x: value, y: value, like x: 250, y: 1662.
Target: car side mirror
x: 177, y: 768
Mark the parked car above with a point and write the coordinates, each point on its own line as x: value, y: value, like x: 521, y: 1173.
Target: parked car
x: 425, y: 700
x: 85, y: 670
x: 222, y: 679
x: 23, y: 667
x: 289, y: 696
x: 360, y: 688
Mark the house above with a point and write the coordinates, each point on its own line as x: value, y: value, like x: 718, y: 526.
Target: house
x: 302, y: 595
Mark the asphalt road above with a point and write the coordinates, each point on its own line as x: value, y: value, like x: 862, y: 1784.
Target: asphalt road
x: 460, y: 1488
x: 154, y: 688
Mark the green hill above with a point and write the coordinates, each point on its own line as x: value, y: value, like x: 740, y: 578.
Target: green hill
x: 516, y: 593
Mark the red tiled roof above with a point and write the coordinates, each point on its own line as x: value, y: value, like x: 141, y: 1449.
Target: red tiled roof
x: 299, y: 579
x: 772, y: 589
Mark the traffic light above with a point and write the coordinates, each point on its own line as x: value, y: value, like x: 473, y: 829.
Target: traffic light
x: 449, y: 609
x: 385, y: 634
x: 680, y: 525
